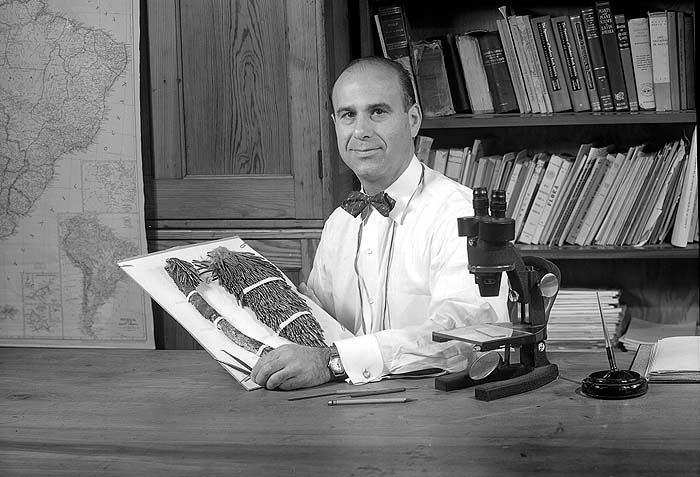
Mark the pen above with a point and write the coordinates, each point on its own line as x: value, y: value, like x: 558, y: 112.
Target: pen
x: 346, y: 402
x: 349, y: 393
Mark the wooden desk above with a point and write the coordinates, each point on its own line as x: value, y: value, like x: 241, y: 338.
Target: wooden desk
x: 178, y: 413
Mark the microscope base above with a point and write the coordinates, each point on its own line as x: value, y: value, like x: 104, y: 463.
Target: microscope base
x: 495, y: 386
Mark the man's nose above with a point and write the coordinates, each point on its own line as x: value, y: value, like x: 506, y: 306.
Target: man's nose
x: 363, y: 127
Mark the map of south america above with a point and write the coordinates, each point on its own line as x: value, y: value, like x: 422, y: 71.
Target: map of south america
x: 71, y: 198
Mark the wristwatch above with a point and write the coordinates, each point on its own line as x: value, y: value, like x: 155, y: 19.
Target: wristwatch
x: 336, y: 366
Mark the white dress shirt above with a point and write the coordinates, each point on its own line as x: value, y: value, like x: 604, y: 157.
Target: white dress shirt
x: 394, y: 280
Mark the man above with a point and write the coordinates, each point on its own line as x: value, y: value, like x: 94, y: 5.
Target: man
x: 392, y: 279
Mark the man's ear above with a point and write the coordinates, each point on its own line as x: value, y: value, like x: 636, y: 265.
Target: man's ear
x: 333, y: 118
x: 415, y: 118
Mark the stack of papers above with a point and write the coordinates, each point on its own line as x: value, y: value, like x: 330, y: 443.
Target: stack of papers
x: 574, y: 321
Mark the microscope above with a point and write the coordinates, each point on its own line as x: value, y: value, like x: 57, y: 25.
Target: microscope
x: 534, y: 284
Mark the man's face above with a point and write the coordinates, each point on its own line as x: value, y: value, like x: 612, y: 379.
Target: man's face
x: 374, y: 132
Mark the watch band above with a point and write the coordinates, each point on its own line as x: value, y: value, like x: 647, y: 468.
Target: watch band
x: 335, y: 365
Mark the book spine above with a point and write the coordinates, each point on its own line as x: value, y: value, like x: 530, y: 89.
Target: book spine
x: 423, y: 145
x: 534, y: 64
x: 497, y: 75
x: 689, y: 31
x: 623, y: 43
x: 658, y: 37
x: 455, y: 77
x: 640, y: 48
x: 474, y: 74
x: 573, y: 72
x: 680, y: 28
x: 513, y: 65
x: 673, y: 60
x: 595, y: 50
x: 551, y: 64
x: 526, y: 69
x: 431, y: 79
x: 392, y: 28
x: 611, y: 52
x: 588, y: 75
x: 688, y: 199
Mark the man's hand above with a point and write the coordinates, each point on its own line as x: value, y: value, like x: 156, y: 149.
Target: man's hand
x: 292, y: 366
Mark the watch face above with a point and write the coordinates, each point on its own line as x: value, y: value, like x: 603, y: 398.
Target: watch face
x: 335, y: 366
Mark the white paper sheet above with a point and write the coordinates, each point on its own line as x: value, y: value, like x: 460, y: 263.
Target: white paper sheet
x: 149, y: 272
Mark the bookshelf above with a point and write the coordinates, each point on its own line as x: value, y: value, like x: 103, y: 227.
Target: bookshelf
x: 659, y: 282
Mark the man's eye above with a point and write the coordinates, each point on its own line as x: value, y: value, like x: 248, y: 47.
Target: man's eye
x: 347, y: 115
x: 378, y: 112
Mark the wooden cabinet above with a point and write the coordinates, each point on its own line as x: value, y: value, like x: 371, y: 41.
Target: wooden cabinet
x: 237, y: 131
x: 659, y: 283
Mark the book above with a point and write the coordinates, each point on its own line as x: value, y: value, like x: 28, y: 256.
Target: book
x: 515, y: 182
x: 533, y: 216
x: 526, y: 50
x: 689, y: 51
x: 670, y: 205
x: 591, y: 186
x: 563, y: 202
x: 508, y: 162
x: 497, y: 75
x: 623, y: 43
x: 683, y: 83
x: 688, y: 198
x: 546, y: 215
x: 611, y: 51
x: 658, y: 37
x: 487, y: 166
x: 640, y: 50
x: 596, y: 211
x: 440, y: 160
x: 422, y: 146
x: 552, y: 65
x: 675, y: 359
x: 651, y: 216
x: 655, y: 186
x: 614, y: 212
x: 597, y: 58
x: 474, y: 73
x: 393, y: 33
x: 587, y: 73
x: 529, y: 192
x: 455, y: 76
x: 454, y: 163
x: 476, y: 153
x: 573, y: 70
x: 576, y: 196
x: 671, y: 25
x: 513, y: 63
x: 431, y: 79
x: 640, y: 173
x: 466, y: 164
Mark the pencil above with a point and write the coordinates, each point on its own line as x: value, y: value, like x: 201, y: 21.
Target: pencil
x: 347, y: 402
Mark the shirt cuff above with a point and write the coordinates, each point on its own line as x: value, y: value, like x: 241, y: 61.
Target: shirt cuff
x: 361, y: 358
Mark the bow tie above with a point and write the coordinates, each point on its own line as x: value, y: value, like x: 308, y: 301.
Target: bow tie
x: 357, y: 201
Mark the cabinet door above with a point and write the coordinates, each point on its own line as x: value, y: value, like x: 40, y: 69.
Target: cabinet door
x: 235, y: 110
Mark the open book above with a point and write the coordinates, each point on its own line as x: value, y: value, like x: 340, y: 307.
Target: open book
x: 670, y: 360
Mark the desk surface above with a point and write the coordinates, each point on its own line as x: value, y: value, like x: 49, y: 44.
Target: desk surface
x: 178, y: 412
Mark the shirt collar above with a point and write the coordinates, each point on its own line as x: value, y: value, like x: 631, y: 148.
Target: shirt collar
x: 404, y: 188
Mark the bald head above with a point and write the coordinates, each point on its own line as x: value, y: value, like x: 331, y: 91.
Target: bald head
x: 403, y: 80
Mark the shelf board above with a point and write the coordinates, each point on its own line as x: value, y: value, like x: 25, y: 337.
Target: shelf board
x: 597, y: 252
x: 457, y: 121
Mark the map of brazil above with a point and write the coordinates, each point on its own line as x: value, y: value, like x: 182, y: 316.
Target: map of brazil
x: 71, y: 193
